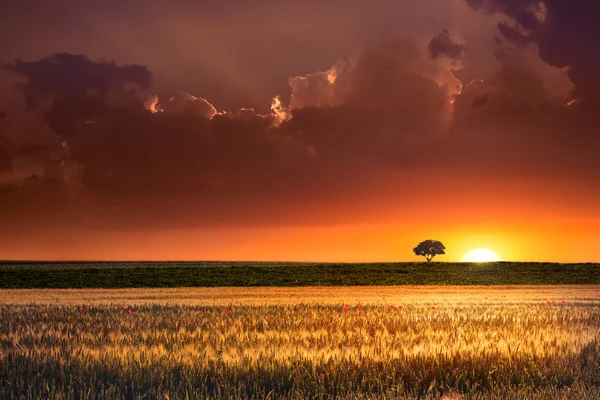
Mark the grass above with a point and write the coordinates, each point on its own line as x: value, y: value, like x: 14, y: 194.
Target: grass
x: 207, y: 274
x: 323, y: 295
x: 461, y: 343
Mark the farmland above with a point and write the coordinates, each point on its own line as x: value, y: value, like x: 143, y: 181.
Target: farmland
x: 274, y: 274
x: 498, y: 342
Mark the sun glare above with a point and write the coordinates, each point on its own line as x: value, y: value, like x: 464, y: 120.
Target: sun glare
x: 480, y: 255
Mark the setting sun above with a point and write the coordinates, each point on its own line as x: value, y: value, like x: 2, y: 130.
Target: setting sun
x: 480, y: 255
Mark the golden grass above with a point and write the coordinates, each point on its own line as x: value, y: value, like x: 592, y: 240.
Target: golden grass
x: 293, y: 295
x: 346, y: 342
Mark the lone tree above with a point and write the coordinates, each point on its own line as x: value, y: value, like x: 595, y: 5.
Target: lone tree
x: 429, y: 249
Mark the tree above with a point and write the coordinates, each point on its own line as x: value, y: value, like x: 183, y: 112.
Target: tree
x: 429, y: 249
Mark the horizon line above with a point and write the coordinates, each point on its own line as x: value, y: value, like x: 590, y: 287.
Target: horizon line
x: 84, y: 261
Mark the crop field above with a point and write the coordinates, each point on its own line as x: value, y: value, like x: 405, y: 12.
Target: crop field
x: 285, y: 274
x: 529, y: 342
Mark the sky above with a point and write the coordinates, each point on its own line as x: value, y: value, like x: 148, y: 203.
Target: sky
x: 330, y: 130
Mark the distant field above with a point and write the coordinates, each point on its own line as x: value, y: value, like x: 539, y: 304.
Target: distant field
x: 422, y: 342
x: 261, y: 296
x: 219, y: 274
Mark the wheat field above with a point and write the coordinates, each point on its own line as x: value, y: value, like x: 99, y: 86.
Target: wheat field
x: 298, y: 343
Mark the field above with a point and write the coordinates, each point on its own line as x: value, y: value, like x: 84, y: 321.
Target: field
x: 487, y: 342
x: 247, y: 274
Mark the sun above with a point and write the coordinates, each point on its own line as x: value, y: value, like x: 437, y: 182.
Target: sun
x: 480, y: 255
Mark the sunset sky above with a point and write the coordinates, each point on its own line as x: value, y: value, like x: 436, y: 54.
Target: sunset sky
x: 330, y: 130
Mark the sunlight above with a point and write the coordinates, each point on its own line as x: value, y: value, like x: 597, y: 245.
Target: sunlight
x: 480, y: 255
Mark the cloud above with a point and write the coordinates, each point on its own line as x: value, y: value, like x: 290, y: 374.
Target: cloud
x: 443, y: 45
x: 373, y: 109
x: 517, y: 79
x: 526, y: 13
x: 392, y: 77
x: 371, y: 123
x: 77, y: 89
x: 181, y: 103
x: 125, y: 151
x: 566, y: 33
x: 119, y: 158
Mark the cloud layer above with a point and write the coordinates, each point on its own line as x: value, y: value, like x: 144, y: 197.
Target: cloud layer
x: 391, y: 118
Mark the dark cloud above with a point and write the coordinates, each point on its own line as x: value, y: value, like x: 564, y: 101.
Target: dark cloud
x: 64, y: 74
x: 566, y: 31
x: 513, y: 35
x: 78, y: 89
x: 119, y: 159
x: 444, y: 45
x: 517, y: 79
x: 524, y: 12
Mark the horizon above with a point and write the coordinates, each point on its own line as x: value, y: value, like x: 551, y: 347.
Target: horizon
x: 200, y: 261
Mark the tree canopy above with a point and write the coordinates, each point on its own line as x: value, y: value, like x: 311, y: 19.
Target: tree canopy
x: 429, y: 249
